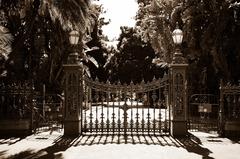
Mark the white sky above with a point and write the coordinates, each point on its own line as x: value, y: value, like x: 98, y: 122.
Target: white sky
x: 121, y: 13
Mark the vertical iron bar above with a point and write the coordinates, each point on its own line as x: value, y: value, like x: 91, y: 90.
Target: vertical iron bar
x: 108, y: 96
x: 125, y: 123
x: 228, y: 106
x: 165, y: 107
x: 169, y: 106
x: 32, y: 104
x: 81, y: 97
x: 97, y: 100
x: 238, y: 111
x: 85, y: 107
x: 148, y: 113
x: 143, y: 122
x: 154, y: 112
x: 234, y: 106
x: 131, y: 119
x: 113, y: 113
x: 89, y: 104
x: 44, y: 100
x: 119, y: 105
x: 221, y: 110
x: 137, y: 115
x: 159, y: 110
x: 102, y: 115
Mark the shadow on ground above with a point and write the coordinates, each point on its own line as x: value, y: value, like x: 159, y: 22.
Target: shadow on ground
x: 190, y: 143
x: 235, y: 140
x: 11, y: 140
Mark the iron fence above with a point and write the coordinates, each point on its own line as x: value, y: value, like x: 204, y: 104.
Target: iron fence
x: 15, y: 100
x: 203, y: 112
x: 48, y: 112
x: 229, y: 114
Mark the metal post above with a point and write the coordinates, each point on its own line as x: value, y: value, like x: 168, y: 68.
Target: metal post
x: 44, y: 100
x: 32, y: 106
x: 221, y: 111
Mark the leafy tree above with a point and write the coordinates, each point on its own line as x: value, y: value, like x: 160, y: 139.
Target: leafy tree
x: 211, y: 32
x: 40, y: 30
x: 133, y: 58
x: 97, y: 44
x: 5, y: 44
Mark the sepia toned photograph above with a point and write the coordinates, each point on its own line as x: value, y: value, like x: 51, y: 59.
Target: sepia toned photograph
x: 119, y: 79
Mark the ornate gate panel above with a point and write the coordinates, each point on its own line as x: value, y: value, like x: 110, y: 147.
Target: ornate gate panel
x: 203, y: 112
x: 229, y: 113
x: 125, y: 109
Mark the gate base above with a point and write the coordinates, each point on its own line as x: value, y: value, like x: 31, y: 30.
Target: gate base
x: 15, y: 127
x: 72, y: 128
x: 178, y: 128
x: 232, y: 128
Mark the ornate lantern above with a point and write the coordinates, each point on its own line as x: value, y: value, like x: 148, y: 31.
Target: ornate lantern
x: 177, y: 36
x: 74, y: 37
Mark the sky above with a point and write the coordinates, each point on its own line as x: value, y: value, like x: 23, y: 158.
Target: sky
x: 121, y: 13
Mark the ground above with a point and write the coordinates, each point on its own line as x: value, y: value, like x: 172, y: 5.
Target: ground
x: 52, y: 144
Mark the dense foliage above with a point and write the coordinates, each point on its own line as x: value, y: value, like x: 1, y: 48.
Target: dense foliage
x: 133, y: 59
x: 40, y: 31
x: 211, y: 34
x: 34, y: 41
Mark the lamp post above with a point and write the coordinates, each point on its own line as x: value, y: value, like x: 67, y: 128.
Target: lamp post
x: 177, y: 36
x: 73, y: 89
x: 73, y: 39
x: 178, y: 87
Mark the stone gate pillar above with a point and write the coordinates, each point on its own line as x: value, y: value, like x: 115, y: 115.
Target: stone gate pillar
x: 73, y: 91
x: 178, y: 95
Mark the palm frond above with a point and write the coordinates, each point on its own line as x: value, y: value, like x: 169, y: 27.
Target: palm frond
x: 93, y: 61
x: 72, y: 14
x: 5, y: 42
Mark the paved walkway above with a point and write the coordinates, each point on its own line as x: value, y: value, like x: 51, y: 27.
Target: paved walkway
x: 49, y: 145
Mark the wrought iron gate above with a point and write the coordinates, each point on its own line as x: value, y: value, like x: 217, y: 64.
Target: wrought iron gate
x: 125, y: 109
x: 203, y: 112
x: 229, y: 114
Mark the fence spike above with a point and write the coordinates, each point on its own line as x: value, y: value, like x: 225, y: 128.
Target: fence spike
x: 154, y: 78
x: 96, y: 79
x: 131, y: 83
x: 119, y: 82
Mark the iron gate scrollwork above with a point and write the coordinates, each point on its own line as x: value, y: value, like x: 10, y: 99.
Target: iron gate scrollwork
x: 125, y: 108
x: 203, y: 112
x: 229, y: 113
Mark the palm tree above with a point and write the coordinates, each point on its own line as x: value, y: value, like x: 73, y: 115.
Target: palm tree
x: 70, y: 13
x: 5, y: 42
x: 40, y: 29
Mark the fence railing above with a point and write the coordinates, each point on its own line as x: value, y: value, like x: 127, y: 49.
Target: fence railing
x: 15, y: 100
x: 229, y: 114
x: 30, y: 110
x: 203, y: 112
x: 48, y: 112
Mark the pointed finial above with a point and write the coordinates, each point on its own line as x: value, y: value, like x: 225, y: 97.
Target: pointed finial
x: 108, y: 82
x: 119, y: 82
x: 154, y: 78
x: 131, y: 83
x: 177, y: 25
x: 96, y: 79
